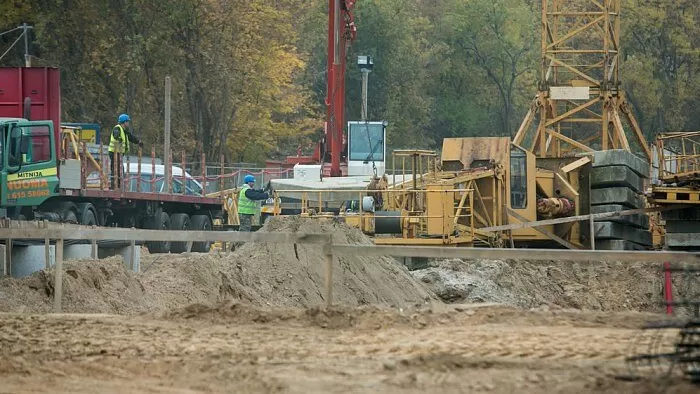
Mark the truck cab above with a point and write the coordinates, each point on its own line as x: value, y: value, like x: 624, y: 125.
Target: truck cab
x: 28, y: 171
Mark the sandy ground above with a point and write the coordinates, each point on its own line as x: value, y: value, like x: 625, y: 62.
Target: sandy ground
x: 237, y: 348
x: 249, y: 321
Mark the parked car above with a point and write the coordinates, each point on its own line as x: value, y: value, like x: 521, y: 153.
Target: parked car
x: 192, y: 187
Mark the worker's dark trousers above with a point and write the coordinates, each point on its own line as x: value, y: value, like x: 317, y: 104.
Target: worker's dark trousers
x: 116, y: 170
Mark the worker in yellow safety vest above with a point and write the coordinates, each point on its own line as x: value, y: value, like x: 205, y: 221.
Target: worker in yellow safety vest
x: 119, y: 141
x: 246, y: 202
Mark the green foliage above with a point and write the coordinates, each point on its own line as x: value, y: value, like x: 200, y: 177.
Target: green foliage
x: 249, y: 76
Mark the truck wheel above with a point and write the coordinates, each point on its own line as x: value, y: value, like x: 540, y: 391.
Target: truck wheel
x: 70, y: 217
x: 160, y: 221
x: 179, y: 221
x: 87, y: 214
x: 201, y: 223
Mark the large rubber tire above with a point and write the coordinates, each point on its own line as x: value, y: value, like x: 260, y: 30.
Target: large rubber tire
x: 69, y: 217
x: 159, y: 221
x: 179, y: 221
x: 86, y: 214
x: 201, y: 223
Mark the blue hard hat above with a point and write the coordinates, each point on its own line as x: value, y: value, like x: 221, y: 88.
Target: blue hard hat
x: 248, y: 179
x: 124, y: 118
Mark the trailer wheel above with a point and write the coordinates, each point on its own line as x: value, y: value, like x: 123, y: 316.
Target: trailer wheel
x: 160, y: 221
x: 179, y: 221
x: 201, y: 223
x: 87, y: 214
x: 69, y: 216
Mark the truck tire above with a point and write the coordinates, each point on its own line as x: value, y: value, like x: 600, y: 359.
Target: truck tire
x: 86, y: 214
x: 179, y: 221
x: 69, y: 216
x: 201, y: 223
x: 159, y: 221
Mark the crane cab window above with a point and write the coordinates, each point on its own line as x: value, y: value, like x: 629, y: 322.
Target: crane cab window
x: 518, y: 178
x: 366, y: 142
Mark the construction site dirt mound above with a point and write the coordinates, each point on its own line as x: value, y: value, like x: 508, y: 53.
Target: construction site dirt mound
x: 565, y: 284
x: 261, y: 274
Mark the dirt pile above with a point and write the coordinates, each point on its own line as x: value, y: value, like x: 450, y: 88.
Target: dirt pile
x: 566, y: 284
x: 279, y: 275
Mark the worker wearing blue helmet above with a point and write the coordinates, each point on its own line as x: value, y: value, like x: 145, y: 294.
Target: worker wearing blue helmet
x: 119, y: 142
x: 246, y: 202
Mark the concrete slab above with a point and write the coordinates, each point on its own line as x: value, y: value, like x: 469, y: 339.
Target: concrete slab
x: 617, y: 244
x: 27, y: 260
x: 345, y: 188
x: 638, y: 220
x: 686, y: 214
x: 683, y: 240
x: 683, y: 226
x: 618, y: 157
x: 602, y: 177
x: 77, y: 252
x: 617, y: 195
x: 125, y: 253
x: 415, y: 263
x: 611, y: 230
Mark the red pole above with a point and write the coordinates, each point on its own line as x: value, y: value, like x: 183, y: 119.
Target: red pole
x: 138, y: 172
x: 153, y: 169
x: 184, y: 169
x: 331, y: 113
x: 221, y: 173
x: 203, y: 164
x: 668, y: 289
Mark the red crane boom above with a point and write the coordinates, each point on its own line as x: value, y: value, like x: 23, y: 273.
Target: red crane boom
x: 341, y: 30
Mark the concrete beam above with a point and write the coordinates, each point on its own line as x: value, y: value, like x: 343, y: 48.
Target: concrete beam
x: 602, y: 177
x: 617, y: 195
x: 683, y: 226
x: 685, y: 214
x: 637, y: 220
x: 682, y: 240
x: 621, y: 157
x: 27, y: 260
x: 125, y: 253
x: 617, y: 244
x: 610, y: 230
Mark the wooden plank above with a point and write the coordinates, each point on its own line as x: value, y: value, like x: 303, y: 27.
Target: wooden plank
x: 8, y: 257
x: 578, y: 163
x: 329, y: 275
x: 547, y: 233
x: 578, y: 218
x: 124, y: 234
x: 132, y: 255
x: 518, y: 254
x: 58, y: 278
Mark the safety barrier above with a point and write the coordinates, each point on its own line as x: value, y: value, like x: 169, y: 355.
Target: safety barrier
x: 59, y: 233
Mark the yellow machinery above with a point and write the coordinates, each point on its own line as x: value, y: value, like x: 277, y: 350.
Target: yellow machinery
x: 477, y: 184
x: 678, y: 185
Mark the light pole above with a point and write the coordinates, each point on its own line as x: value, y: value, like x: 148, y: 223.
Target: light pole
x: 365, y: 63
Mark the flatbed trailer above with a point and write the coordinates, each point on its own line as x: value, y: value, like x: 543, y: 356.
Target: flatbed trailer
x: 44, y: 171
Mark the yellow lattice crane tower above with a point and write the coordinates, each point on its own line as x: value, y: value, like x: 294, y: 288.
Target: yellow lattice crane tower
x: 580, y: 105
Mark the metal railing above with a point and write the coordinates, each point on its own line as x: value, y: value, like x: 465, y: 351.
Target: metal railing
x: 58, y: 233
x: 679, y: 155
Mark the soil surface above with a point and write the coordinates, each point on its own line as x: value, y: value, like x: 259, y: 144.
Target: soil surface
x: 284, y: 275
x: 252, y: 321
x: 570, y: 284
x: 237, y: 348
